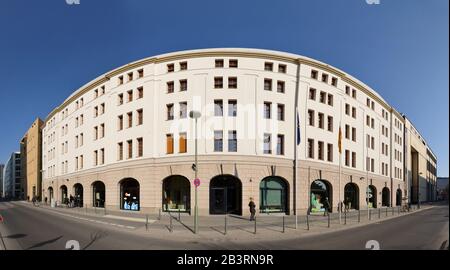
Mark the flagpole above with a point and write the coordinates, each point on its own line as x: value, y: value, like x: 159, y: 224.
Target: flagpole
x: 340, y: 165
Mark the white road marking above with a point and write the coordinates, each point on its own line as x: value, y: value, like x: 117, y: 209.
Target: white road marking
x: 10, y: 205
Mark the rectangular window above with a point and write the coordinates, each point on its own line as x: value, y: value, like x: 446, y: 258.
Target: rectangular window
x: 130, y: 149
x: 280, y: 112
x: 372, y: 123
x: 347, y: 158
x: 170, y: 68
x: 367, y: 164
x: 218, y: 141
x: 232, y: 82
x: 330, y: 99
x: 169, y: 144
x: 232, y: 108
x: 347, y: 109
x: 314, y: 74
x: 282, y: 68
x: 324, y: 78
x: 354, y: 159
x: 368, y: 121
x: 347, y: 90
x: 320, y: 150
x: 368, y: 102
x: 102, y: 156
x: 321, y: 121
x: 354, y: 112
x: 81, y: 162
x: 120, y: 122
x: 267, y: 110
x: 170, y: 112
x: 218, y: 107
x: 373, y: 105
x: 218, y: 82
x: 330, y: 123
x: 372, y: 140
x: 183, y: 110
x: 183, y: 143
x: 140, y: 91
x: 140, y: 73
x: 102, y: 108
x: 96, y: 93
x: 130, y: 76
x: 311, y: 117
x: 267, y: 143
x: 232, y: 141
x: 95, y: 111
x: 140, y: 142
x: 120, y: 99
x: 130, y: 119
x: 102, y: 130
x: 219, y: 63
x: 347, y: 131
x: 312, y: 93
x: 372, y: 165
x: 323, y: 97
x: 183, y: 66
x: 81, y: 139
x: 354, y: 134
x: 130, y: 96
x: 310, y: 148
x: 170, y: 87
x: 95, y: 158
x: 280, y: 144
x: 334, y: 81
x: 183, y: 85
x: 233, y: 63
x: 120, y: 80
x: 280, y: 86
x: 140, y: 117
x: 268, y: 66
x: 268, y: 84
x: 330, y: 152
x: 120, y: 151
x: 354, y: 93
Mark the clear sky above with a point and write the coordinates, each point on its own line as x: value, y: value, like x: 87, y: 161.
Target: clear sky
x: 400, y: 48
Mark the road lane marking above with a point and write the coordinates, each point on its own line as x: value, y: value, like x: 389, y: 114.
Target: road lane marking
x: 80, y: 218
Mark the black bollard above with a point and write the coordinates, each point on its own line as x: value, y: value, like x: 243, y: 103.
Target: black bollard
x: 307, y: 221
x: 225, y: 224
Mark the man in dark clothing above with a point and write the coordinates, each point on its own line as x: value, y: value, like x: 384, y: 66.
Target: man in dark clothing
x: 326, y: 205
x: 252, y: 207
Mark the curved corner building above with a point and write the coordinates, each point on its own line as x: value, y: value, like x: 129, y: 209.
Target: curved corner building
x: 126, y: 140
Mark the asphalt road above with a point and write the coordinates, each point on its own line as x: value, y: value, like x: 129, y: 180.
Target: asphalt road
x: 28, y: 228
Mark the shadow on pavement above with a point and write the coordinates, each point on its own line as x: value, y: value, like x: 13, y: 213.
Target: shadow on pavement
x: 41, y: 244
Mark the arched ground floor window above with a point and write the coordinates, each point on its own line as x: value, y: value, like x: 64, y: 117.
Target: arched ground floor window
x: 274, y: 195
x: 129, y: 194
x: 176, y: 194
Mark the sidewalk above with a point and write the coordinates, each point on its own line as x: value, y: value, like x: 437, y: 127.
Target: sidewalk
x: 238, y: 228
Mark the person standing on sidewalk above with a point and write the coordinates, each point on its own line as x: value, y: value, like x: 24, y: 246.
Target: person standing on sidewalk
x: 326, y: 205
x: 252, y: 207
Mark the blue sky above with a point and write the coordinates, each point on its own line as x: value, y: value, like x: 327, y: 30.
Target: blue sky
x: 400, y: 48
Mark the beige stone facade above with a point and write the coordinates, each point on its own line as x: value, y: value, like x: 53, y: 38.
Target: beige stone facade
x: 31, y: 160
x: 250, y: 171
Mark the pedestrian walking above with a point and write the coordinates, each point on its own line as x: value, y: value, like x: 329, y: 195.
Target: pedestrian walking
x: 326, y: 206
x: 252, y: 208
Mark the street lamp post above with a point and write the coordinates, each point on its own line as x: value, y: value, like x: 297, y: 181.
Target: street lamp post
x: 195, y: 115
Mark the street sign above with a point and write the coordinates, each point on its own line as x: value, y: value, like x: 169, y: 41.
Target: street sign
x: 196, y: 182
